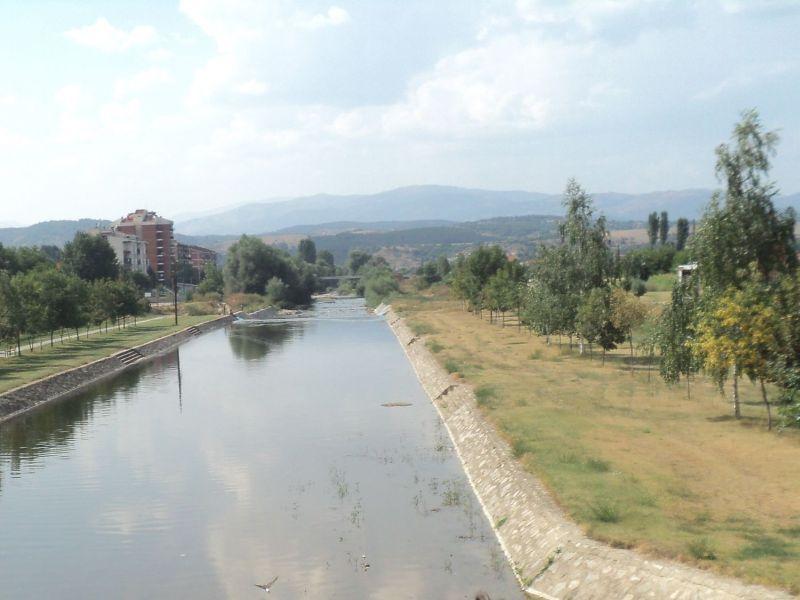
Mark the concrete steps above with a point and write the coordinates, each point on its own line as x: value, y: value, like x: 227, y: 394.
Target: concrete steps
x: 193, y: 330
x: 128, y: 357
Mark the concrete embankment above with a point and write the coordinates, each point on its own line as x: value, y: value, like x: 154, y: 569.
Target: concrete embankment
x: 27, y: 397
x: 551, y: 555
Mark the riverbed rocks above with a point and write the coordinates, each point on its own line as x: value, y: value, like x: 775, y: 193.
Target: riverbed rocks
x: 551, y: 555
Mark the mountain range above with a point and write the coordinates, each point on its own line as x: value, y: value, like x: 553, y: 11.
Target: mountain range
x: 424, y: 206
x: 433, y: 203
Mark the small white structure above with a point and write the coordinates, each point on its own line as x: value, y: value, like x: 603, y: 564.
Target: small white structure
x: 686, y: 271
x: 131, y: 251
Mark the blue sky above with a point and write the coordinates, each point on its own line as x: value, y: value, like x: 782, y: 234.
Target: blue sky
x: 184, y: 106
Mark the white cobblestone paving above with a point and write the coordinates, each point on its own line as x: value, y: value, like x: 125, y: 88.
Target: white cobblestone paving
x: 551, y: 555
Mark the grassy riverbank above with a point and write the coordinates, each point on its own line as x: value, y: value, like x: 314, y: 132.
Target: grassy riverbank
x: 632, y: 460
x: 19, y: 370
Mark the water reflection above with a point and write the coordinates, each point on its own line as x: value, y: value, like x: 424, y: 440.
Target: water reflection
x: 254, y: 342
x: 270, y: 454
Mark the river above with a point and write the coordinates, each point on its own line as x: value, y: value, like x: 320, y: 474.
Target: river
x: 249, y: 453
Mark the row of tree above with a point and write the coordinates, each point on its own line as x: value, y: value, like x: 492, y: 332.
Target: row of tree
x: 42, y: 292
x: 658, y: 230
x: 738, y: 315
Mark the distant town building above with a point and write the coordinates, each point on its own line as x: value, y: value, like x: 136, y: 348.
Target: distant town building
x: 196, y: 256
x: 131, y: 250
x: 157, y: 232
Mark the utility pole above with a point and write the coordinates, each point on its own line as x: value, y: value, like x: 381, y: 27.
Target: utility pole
x: 175, y: 295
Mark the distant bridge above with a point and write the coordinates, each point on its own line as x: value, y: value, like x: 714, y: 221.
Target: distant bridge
x: 340, y: 278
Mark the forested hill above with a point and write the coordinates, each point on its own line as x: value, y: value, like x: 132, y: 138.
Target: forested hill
x: 55, y: 233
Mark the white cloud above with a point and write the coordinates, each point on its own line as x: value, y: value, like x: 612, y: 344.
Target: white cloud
x: 121, y: 118
x: 334, y: 16
x: 142, y: 81
x: 7, y: 99
x: 252, y: 88
x: 160, y: 55
x: 69, y: 97
x: 103, y: 36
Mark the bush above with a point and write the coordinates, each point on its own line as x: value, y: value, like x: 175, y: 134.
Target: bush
x: 196, y: 309
x: 638, y: 287
x: 702, y: 549
x: 605, y: 512
x: 485, y: 394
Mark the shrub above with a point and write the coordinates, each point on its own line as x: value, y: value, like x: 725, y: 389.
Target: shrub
x: 702, y: 549
x: 598, y: 465
x: 605, y: 512
x: 484, y: 395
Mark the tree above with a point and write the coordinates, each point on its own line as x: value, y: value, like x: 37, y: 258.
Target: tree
x: 595, y: 322
x: 682, y: 234
x: 251, y: 264
x: 741, y: 225
x: 91, y: 257
x: 442, y: 266
x: 213, y: 282
x: 277, y: 292
x: 326, y: 257
x: 663, y: 227
x: 427, y: 275
x: 14, y: 308
x: 628, y: 312
x: 307, y: 251
x: 356, y: 260
x: 652, y: 228
x: 740, y: 330
x: 675, y: 335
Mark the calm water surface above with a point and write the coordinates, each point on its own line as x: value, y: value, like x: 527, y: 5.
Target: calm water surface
x: 251, y: 453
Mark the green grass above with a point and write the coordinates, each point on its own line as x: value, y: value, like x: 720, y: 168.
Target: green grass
x: 452, y: 366
x: 421, y: 328
x: 702, y: 549
x: 19, y: 370
x: 662, y: 282
x: 434, y: 346
x: 485, y: 394
x: 605, y: 512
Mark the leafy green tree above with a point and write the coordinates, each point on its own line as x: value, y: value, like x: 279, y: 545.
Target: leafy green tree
x: 326, y: 257
x: 628, y: 313
x: 741, y: 225
x: 442, y: 266
x: 91, y: 257
x: 251, y: 264
x: 676, y: 333
x: 652, y: 228
x: 277, y: 292
x: 356, y: 260
x: 595, y: 320
x: 14, y: 308
x: 307, y: 251
x: 213, y: 281
x: 740, y: 330
x: 663, y: 227
x: 682, y: 234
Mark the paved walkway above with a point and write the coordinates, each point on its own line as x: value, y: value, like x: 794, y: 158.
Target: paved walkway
x: 552, y: 556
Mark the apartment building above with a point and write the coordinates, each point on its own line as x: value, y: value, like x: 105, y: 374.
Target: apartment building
x: 131, y: 250
x: 157, y: 233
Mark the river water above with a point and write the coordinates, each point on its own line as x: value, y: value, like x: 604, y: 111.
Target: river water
x: 249, y: 453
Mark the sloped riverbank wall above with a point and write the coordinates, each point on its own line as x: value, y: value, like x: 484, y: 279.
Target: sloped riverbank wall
x: 60, y: 385
x: 551, y: 555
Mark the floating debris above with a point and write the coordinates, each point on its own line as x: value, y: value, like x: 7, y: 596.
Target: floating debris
x: 267, y: 586
x: 394, y: 404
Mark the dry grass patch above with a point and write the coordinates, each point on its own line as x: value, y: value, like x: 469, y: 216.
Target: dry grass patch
x: 631, y: 459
